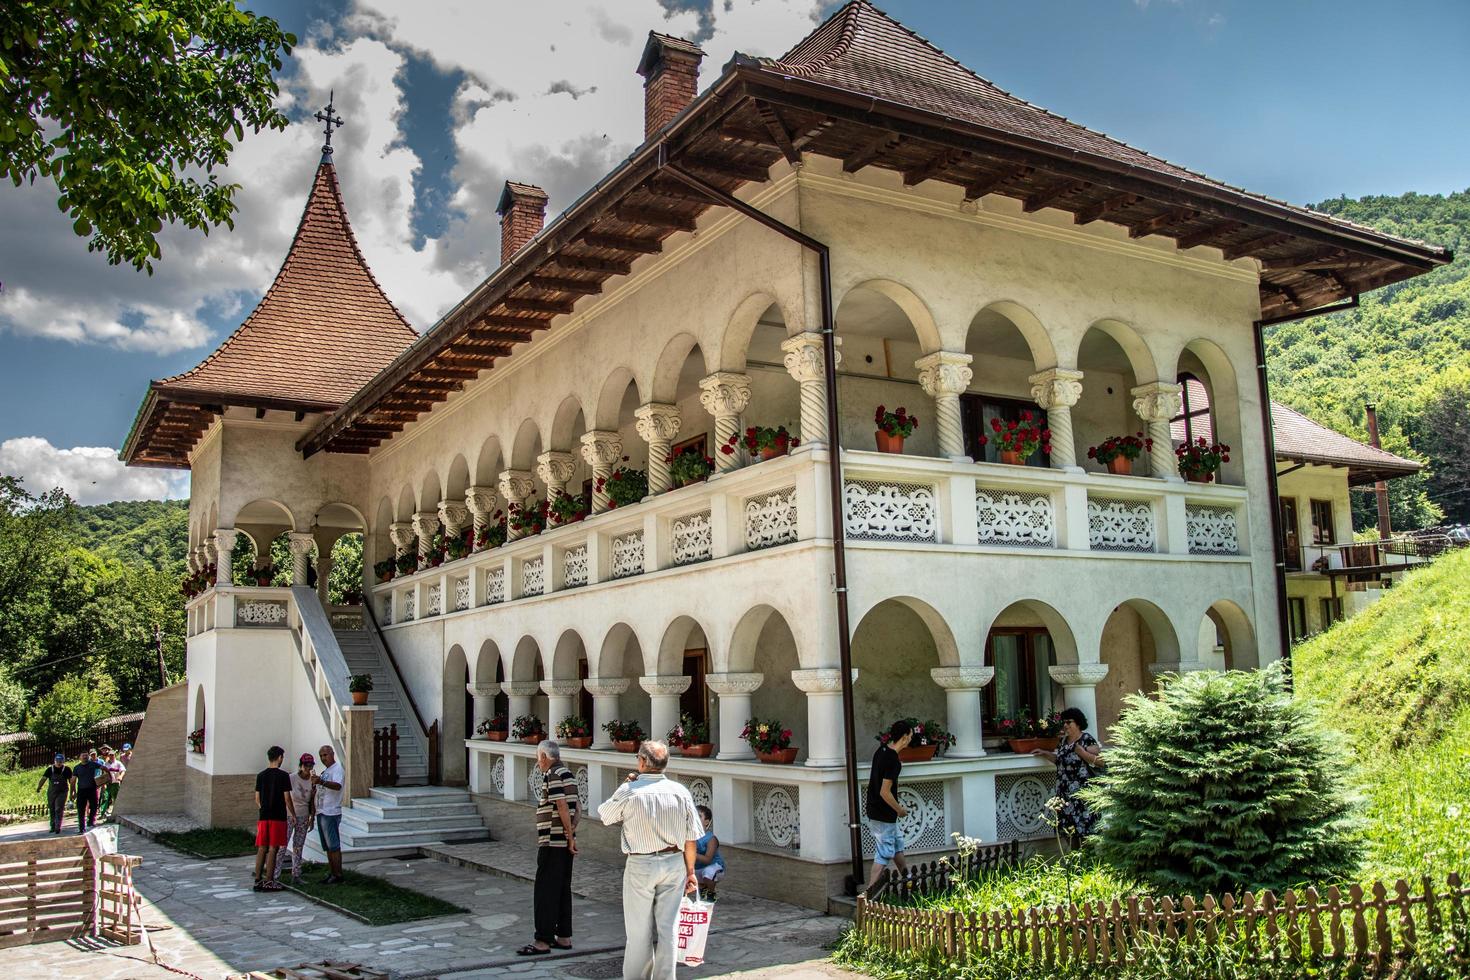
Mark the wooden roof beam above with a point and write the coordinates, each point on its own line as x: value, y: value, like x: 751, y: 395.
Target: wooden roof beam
x: 590, y: 263
x: 558, y: 284
x: 443, y: 372
x: 654, y: 217
x: 771, y: 119
x: 996, y: 183
x: 728, y: 169
x: 1232, y: 252
x: 1107, y: 205
x: 520, y: 304
x: 1160, y: 223
x: 885, y: 143
x: 1048, y: 197
x: 934, y: 166
x: 513, y: 326
x: 1206, y: 235
x: 621, y: 243
x: 1321, y: 259
x: 674, y: 190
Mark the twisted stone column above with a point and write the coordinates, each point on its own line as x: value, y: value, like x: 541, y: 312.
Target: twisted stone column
x: 1079, y: 686
x: 663, y: 691
x: 194, y: 563
x: 601, y: 451
x: 454, y: 515
x: 559, y: 695
x: 945, y: 375
x: 823, y: 689
x: 657, y: 425
x: 962, y: 686
x: 425, y: 526
x: 211, y: 553
x: 403, y: 540
x: 734, y: 691
x: 300, y: 543
x: 605, y: 693
x: 554, y: 469
x: 224, y: 546
x: 1157, y: 403
x: 1057, y: 390
x: 804, y: 362
x: 480, y: 501
x: 725, y: 395
x: 515, y: 487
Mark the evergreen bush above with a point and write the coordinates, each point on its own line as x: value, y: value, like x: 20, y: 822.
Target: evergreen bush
x: 1222, y: 782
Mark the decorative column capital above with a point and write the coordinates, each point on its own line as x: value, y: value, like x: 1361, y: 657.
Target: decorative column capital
x: 1056, y: 388
x: 562, y: 687
x: 425, y: 525
x: 454, y: 515
x: 944, y: 372
x: 480, y: 501
x: 962, y: 678
x: 601, y: 448
x: 483, y: 690
x: 607, y: 687
x: 300, y: 543
x: 1158, y: 401
x: 516, y: 485
x: 657, y: 422
x: 520, y: 689
x: 664, y: 684
x: 820, y: 680
x: 724, y: 393
x: 402, y: 534
x: 224, y: 539
x: 554, y: 468
x: 803, y: 356
x: 211, y: 552
x: 1078, y: 675
x: 730, y: 685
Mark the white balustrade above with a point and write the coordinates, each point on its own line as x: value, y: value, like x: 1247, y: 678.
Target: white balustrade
x: 776, y: 815
x: 495, y: 585
x: 533, y: 576
x: 1015, y: 518
x: 889, y: 511
x: 260, y: 612
x: 1211, y: 530
x: 434, y: 601
x: 693, y: 538
x: 461, y: 593
x: 574, y: 566
x: 627, y: 554
x: 408, y: 603
x: 1115, y: 524
x: 770, y: 519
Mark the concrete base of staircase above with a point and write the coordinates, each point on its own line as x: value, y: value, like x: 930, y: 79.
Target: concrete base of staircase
x: 398, y: 821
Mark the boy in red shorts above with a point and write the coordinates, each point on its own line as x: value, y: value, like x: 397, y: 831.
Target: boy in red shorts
x: 273, y: 796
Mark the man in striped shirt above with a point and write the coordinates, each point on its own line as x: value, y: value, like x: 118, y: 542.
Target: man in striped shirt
x: 556, y: 843
x: 660, y: 828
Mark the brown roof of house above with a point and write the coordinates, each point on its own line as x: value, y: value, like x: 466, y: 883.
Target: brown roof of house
x: 1300, y: 439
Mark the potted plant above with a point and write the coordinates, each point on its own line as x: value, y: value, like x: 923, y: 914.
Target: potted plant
x: 893, y: 428
x: 264, y: 574
x: 493, y: 728
x: 691, y: 737
x: 1117, y: 453
x: 1016, y: 441
x: 383, y: 570
x: 407, y: 563
x: 574, y: 732
x: 361, y: 685
x: 1200, y: 460
x: 1025, y: 734
x: 771, y: 741
x: 459, y: 546
x: 492, y: 535
x: 626, y: 735
x: 690, y: 466
x: 761, y: 441
x: 196, y: 741
x: 568, y: 509
x: 929, y: 738
x: 624, y: 486
x: 528, y: 519
x: 528, y: 729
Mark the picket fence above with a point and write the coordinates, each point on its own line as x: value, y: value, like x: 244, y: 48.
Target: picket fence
x: 1371, y: 927
x: 936, y: 876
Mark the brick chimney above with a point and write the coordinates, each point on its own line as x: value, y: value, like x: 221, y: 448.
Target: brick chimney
x: 670, y: 70
x: 522, y: 211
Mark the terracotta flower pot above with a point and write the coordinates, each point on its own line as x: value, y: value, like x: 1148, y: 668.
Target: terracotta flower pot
x: 888, y: 443
x: 780, y: 757
x: 359, y: 697
x: 1200, y: 477
x: 772, y: 452
x: 917, y: 753
x: 626, y: 746
x: 533, y: 739
x: 496, y: 736
x: 577, y: 743
x: 700, y: 751
x: 1121, y: 465
x: 1011, y: 458
x: 1025, y: 746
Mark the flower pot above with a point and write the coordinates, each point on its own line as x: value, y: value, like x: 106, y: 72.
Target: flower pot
x: 780, y: 757
x: 496, y: 736
x: 1011, y: 458
x: 359, y: 697
x: 533, y: 739
x: 577, y: 743
x: 917, y: 753
x: 772, y: 452
x: 1200, y: 477
x: 1025, y: 746
x: 1121, y: 465
x: 700, y: 751
x: 888, y: 443
x: 626, y: 746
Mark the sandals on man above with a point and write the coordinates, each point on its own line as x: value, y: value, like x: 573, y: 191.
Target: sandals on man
x: 556, y: 945
x: 531, y: 949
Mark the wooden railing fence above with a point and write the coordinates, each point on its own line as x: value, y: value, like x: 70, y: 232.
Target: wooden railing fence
x: 937, y: 876
x: 34, y: 754
x: 1374, y: 927
x: 55, y: 889
x: 385, y: 756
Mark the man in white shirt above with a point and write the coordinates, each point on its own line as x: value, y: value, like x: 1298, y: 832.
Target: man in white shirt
x: 660, y: 828
x: 328, y: 785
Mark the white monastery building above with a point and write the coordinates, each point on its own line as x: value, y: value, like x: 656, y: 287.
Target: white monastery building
x: 863, y: 208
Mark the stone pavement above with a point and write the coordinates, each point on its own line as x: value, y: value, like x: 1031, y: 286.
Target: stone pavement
x: 206, y: 922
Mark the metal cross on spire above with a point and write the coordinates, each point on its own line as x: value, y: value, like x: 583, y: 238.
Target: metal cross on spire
x: 331, y: 121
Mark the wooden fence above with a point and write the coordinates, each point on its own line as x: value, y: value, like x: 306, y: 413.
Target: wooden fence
x: 1374, y: 927
x: 936, y: 876
x: 33, y: 754
x: 385, y: 756
x: 54, y: 889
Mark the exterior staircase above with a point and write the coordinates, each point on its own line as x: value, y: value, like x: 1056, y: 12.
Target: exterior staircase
x: 364, y: 654
x: 398, y: 820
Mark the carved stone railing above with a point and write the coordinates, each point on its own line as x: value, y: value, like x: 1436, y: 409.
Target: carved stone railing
x: 1015, y: 518
x: 1115, y: 524
x: 261, y: 613
x: 461, y: 593
x: 574, y: 567
x: 890, y: 511
x: 346, y: 617
x: 627, y: 554
x: 770, y: 519
x: 434, y: 601
x: 1212, y: 530
x: 533, y: 576
x: 495, y: 585
x: 692, y: 538
x: 408, y: 604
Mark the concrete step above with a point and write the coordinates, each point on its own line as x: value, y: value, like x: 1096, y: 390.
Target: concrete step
x: 410, y: 838
x: 419, y: 795
x: 376, y: 809
x: 436, y: 827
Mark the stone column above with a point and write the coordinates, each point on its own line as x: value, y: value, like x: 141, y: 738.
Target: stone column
x: 725, y: 395
x: 224, y: 546
x: 515, y: 487
x: 823, y: 689
x: 323, y: 574
x: 605, y: 692
x: 962, y: 687
x: 211, y: 553
x: 195, y: 564
x: 480, y: 502
x: 945, y: 375
x: 1057, y: 390
x: 663, y: 691
x: 1079, y: 686
x: 520, y: 694
x: 734, y: 691
x: 301, y: 543
x: 403, y: 540
x: 454, y: 515
x: 1156, y: 403
x: 804, y: 362
x: 657, y: 425
x: 554, y: 469
x: 358, y: 742
x: 484, y: 695
x: 601, y: 451
x: 559, y: 699
x: 425, y: 526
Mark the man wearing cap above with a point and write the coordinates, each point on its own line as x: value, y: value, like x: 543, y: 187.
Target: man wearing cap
x: 58, y: 782
x: 126, y: 755
x: 301, y: 818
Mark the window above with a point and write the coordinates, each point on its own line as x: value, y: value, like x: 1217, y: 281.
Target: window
x: 1290, y: 534
x: 695, y: 701
x: 1323, y: 530
x: 1331, y: 611
x: 1296, y: 615
x: 1194, y: 419
x: 1022, y: 683
x: 976, y: 412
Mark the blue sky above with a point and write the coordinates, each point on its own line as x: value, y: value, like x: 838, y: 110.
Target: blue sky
x: 1298, y: 99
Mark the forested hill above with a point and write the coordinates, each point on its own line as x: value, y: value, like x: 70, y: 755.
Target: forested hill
x: 1406, y: 349
x: 153, y: 532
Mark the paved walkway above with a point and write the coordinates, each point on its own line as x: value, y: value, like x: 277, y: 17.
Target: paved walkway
x: 206, y: 922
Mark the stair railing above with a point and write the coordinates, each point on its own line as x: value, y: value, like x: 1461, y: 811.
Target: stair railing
x: 323, y: 659
x: 430, y: 732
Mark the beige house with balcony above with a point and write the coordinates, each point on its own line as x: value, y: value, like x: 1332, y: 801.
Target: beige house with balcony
x: 984, y: 258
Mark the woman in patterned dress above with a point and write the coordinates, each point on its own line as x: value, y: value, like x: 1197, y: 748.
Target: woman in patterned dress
x: 1077, y: 757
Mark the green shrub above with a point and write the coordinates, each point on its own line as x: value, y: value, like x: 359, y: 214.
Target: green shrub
x: 12, y: 700
x: 70, y: 709
x: 1222, y: 782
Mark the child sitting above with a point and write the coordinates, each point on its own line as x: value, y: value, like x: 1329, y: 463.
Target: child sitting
x: 709, y: 863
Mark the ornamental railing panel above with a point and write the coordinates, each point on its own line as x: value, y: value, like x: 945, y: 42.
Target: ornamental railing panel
x: 1211, y: 530
x: 627, y: 554
x: 346, y: 618
x: 1020, y: 802
x: 776, y: 815
x: 497, y: 775
x: 434, y: 602
x: 408, y: 602
x: 461, y: 593
x: 879, y: 510
x: 925, y: 827
x: 1015, y: 518
x: 574, y: 566
x: 770, y: 519
x: 385, y: 610
x: 494, y: 585
x: 533, y: 576
x: 693, y: 538
x: 1114, y: 524
x: 257, y: 613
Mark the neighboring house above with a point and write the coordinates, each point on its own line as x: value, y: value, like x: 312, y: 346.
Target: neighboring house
x: 987, y: 259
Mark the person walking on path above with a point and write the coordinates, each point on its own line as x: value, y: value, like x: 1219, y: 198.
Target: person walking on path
x: 556, y: 843
x: 273, y: 797
x: 115, y: 772
x: 660, y: 828
x: 884, y: 810
x: 329, y: 812
x: 300, y: 819
x: 88, y: 773
x: 126, y: 755
x: 57, y: 779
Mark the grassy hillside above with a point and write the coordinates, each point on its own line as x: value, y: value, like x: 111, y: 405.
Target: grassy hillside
x: 1395, y: 681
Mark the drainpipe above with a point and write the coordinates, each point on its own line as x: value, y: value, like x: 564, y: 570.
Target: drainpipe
x: 834, y: 472
x: 1380, y: 487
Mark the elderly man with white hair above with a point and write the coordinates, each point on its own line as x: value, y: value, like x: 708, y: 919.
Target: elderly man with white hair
x: 660, y: 828
x: 556, y: 842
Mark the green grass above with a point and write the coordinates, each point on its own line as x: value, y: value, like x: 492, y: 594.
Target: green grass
x: 218, y: 842
x: 18, y: 788
x: 1039, y: 881
x: 375, y: 901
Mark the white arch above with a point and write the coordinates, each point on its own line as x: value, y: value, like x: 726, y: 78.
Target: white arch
x: 1037, y: 337
x: 915, y: 309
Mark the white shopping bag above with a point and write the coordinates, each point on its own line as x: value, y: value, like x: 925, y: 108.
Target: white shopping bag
x: 694, y: 920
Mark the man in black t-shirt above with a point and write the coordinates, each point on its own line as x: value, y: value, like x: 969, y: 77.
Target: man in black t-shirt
x: 273, y: 796
x: 884, y: 810
x: 57, y: 779
x: 87, y: 772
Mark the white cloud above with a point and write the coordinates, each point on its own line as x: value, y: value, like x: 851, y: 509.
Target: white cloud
x: 90, y: 474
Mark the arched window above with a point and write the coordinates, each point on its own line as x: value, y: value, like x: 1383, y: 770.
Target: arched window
x: 1195, y: 418
x: 1021, y: 656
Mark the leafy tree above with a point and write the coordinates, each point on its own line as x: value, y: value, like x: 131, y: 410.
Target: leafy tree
x: 12, y: 702
x: 131, y: 106
x: 34, y: 532
x: 1444, y: 431
x: 1223, y: 782
x: 345, y: 578
x: 72, y: 707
